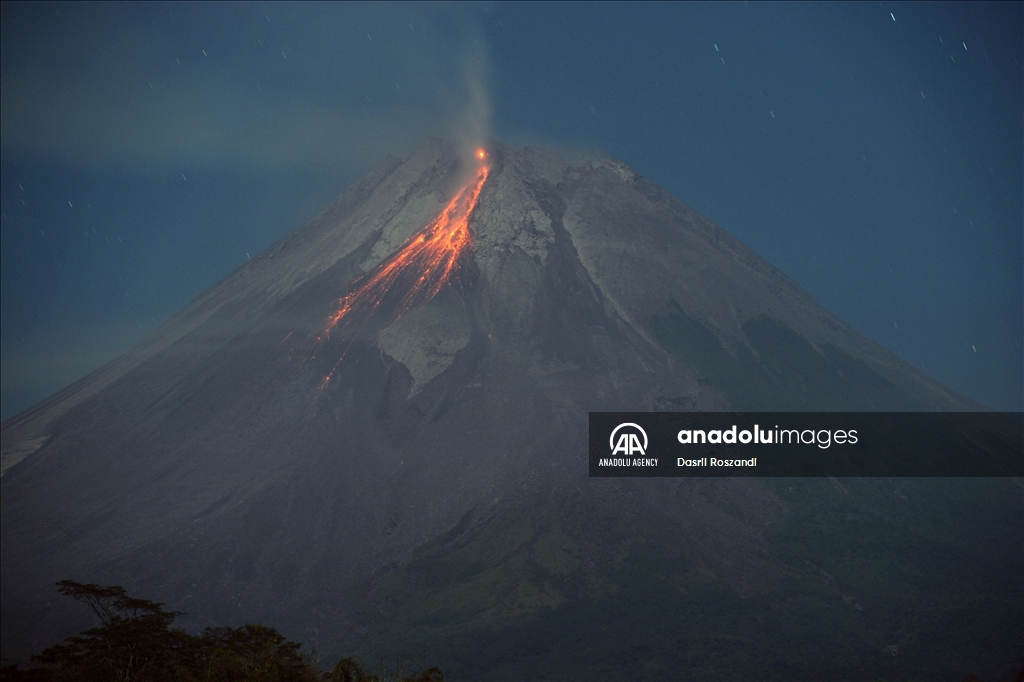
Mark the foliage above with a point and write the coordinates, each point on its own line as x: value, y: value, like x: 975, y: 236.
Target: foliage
x: 251, y: 653
x: 136, y: 642
x: 133, y: 642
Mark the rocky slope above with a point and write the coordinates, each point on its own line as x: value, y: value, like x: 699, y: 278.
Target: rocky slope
x: 434, y: 497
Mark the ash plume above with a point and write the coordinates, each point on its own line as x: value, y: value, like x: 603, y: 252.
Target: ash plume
x: 473, y: 123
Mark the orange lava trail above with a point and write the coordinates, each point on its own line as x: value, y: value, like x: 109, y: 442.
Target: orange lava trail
x: 413, y: 274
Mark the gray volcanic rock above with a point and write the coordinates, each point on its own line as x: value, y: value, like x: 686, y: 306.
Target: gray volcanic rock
x: 436, y: 489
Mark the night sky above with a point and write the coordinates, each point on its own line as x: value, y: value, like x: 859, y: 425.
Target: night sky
x: 873, y: 152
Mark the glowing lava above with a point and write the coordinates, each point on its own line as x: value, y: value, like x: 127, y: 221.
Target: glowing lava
x: 413, y: 274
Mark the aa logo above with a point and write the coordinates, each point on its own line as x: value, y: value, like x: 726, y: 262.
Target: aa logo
x: 626, y: 440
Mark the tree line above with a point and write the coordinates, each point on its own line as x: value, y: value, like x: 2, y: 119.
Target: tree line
x: 136, y: 642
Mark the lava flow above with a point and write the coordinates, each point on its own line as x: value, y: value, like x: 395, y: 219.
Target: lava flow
x: 416, y: 272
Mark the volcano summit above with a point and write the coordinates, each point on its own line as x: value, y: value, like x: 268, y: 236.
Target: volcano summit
x: 380, y: 448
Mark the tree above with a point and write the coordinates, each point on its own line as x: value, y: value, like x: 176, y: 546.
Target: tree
x: 252, y: 653
x: 135, y: 641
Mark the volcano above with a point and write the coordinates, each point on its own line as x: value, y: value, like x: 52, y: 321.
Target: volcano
x: 398, y: 466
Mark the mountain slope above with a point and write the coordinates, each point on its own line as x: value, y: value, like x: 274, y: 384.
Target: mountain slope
x: 433, y: 493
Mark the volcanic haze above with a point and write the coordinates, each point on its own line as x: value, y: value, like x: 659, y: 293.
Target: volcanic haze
x: 432, y: 498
